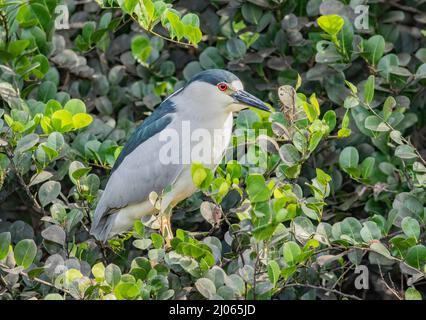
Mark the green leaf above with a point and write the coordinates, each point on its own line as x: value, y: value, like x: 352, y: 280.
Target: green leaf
x: 374, y: 123
x: 128, y: 6
x: 16, y: 47
x: 313, y: 100
x: 380, y: 249
x: 53, y: 296
x: 72, y: 275
x: 56, y: 141
x: 157, y: 240
x: 416, y: 256
x: 345, y: 38
x: 62, y: 120
x: 351, y: 87
x: 199, y: 176
x: 192, y: 31
x: 139, y: 228
x: 349, y: 158
x: 177, y: 28
x: 48, y: 192
x: 79, y: 169
x: 25, y: 252
x: 126, y: 291
x: 350, y: 229
x: 75, y: 106
x: 421, y: 72
x: 251, y: 13
x: 148, y: 11
x: 411, y: 227
x: 264, y: 232
x: 234, y: 169
x: 343, y: 133
x: 373, y: 49
x: 142, y: 244
x: 388, y: 106
x: 350, y: 102
x: 405, y: 152
x: 369, y: 90
x: 291, y: 252
x: 236, y: 48
x: 42, y: 14
x: 81, y: 120
x: 27, y: 142
x: 412, y: 294
x: 193, y: 34
x: 256, y: 188
x: 289, y: 154
x: 370, y: 231
x: 310, y: 111
x: 210, y: 58
x: 54, y: 233
x: 160, y: 8
x: 203, y: 176
x: 367, y: 167
x: 46, y: 91
x: 112, y: 275
x: 5, y: 239
x: 98, y: 270
x: 330, y: 120
x: 141, y: 48
x: 331, y: 24
x: 314, y: 140
x: 206, y: 287
x: 191, y: 19
x: 274, y: 271
x: 386, y: 64
x: 51, y: 153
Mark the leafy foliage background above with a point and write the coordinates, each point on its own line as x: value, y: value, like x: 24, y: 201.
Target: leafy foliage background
x: 345, y: 163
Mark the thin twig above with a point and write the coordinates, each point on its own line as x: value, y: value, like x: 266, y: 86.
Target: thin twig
x: 38, y: 280
x: 306, y: 285
x: 394, y: 292
x: 393, y: 129
x: 150, y: 30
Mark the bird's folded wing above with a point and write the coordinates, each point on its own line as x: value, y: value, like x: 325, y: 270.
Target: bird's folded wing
x: 138, y: 170
x: 155, y: 123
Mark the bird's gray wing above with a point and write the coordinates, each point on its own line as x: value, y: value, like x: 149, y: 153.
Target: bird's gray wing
x: 157, y: 121
x: 137, y: 171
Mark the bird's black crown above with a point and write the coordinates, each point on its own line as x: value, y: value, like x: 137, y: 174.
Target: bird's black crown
x: 214, y: 76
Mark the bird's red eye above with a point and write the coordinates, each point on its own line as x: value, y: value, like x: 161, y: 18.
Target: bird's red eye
x: 222, y: 86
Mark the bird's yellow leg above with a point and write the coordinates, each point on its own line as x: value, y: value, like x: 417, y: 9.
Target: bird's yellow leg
x: 166, y: 226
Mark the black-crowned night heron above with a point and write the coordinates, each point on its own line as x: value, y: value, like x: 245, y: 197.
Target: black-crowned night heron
x: 194, y: 124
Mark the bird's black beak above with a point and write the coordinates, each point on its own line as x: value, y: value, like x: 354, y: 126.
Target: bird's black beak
x: 250, y: 100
